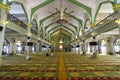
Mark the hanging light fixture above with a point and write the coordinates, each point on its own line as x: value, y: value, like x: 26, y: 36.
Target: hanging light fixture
x: 62, y: 17
x: 18, y: 43
x: 61, y: 41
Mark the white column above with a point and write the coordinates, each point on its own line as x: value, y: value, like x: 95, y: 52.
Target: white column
x: 40, y: 47
x: 108, y: 47
x: 3, y: 16
x: 37, y: 47
x: 83, y: 48
x: 2, y: 33
x: 79, y: 49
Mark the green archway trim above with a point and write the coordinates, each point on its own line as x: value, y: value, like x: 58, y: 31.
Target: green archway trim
x: 59, y: 26
x: 115, y: 1
x: 36, y: 23
x: 69, y: 29
x: 1, y: 1
x: 73, y: 26
x: 48, y: 25
x: 22, y: 7
x: 85, y: 23
x: 42, y: 20
x: 64, y: 32
x: 53, y: 29
x: 86, y: 8
x: 33, y: 10
x: 79, y: 20
x: 7, y: 2
x: 59, y: 30
x: 100, y: 7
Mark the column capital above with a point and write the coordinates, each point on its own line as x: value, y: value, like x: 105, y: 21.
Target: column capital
x: 29, y: 25
x: 7, y: 7
x: 116, y: 7
x: 93, y: 25
x: 83, y: 32
x: 118, y: 21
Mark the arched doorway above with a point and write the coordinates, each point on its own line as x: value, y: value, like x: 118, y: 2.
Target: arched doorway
x: 6, y: 46
x: 117, y: 46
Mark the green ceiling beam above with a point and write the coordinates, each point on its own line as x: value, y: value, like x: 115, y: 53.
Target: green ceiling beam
x: 53, y: 29
x: 1, y: 1
x: 79, y: 20
x: 68, y: 29
x: 48, y: 26
x: 115, y: 1
x: 48, y: 17
x: 42, y: 20
x: 22, y: 8
x: 73, y: 26
x: 58, y: 25
x: 62, y: 30
x: 86, y: 8
x: 100, y: 7
x: 7, y: 2
x: 33, y: 10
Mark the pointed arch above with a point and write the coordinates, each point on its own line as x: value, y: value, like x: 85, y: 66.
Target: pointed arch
x: 10, y: 3
x: 105, y: 2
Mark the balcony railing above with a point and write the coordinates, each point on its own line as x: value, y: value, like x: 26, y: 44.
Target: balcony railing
x: 15, y: 20
x: 108, y: 19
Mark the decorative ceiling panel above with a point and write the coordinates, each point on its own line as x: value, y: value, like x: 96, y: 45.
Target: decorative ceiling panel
x: 34, y: 3
x: 89, y: 3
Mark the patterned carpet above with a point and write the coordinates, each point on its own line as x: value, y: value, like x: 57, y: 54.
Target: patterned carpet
x: 76, y: 67
x: 39, y: 67
x: 84, y: 68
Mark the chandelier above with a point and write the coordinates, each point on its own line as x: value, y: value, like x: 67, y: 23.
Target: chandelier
x: 62, y: 17
x: 61, y: 41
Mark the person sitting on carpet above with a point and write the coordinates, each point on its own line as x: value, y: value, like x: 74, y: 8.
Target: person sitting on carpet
x: 47, y: 54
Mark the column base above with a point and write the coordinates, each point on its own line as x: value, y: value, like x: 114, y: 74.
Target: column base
x: 110, y: 53
x: 83, y: 54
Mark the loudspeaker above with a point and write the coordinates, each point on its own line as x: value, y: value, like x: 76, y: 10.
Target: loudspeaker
x: 77, y: 45
x: 93, y: 43
x: 28, y: 37
x: 29, y: 43
x: 43, y: 46
x: 1, y: 28
x: 94, y: 37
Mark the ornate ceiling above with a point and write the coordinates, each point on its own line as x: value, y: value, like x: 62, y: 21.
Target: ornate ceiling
x: 43, y: 12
